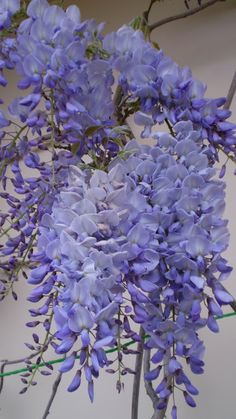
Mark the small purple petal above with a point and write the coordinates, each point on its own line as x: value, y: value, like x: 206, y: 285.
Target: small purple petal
x: 152, y: 375
x: 174, y: 412
x: 68, y: 364
x: 103, y: 342
x: 174, y: 366
x: 85, y: 338
x: 75, y: 383
x: 223, y: 297
x: 212, y: 324
x: 38, y: 274
x: 91, y: 390
x: 189, y: 400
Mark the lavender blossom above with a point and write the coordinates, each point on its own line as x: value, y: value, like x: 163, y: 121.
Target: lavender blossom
x: 149, y: 225
x: 133, y: 237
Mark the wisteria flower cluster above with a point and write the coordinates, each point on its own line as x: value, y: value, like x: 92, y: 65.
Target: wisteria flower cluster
x: 119, y: 240
x: 140, y: 243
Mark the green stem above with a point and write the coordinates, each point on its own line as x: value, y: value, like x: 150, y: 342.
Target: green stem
x: 6, y: 161
x: 44, y: 346
x: 20, y: 217
x: 21, y: 264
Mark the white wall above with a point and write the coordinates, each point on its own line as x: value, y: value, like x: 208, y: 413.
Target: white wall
x: 207, y: 43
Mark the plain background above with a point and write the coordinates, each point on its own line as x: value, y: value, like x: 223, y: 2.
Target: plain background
x: 205, y: 42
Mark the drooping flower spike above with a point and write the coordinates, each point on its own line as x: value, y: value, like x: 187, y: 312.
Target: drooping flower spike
x: 149, y: 229
x: 111, y: 234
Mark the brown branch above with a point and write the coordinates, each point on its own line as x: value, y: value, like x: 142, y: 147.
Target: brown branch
x: 118, y: 95
x: 137, y: 377
x: 54, y: 392
x: 146, y: 13
x: 231, y: 93
x: 182, y: 15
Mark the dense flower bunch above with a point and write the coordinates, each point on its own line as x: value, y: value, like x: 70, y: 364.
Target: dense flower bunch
x: 165, y: 90
x: 112, y: 234
x: 51, y: 114
x: 149, y: 232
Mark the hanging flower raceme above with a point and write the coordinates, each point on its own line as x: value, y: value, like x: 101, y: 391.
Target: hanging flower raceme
x: 126, y: 235
x: 165, y: 90
x: 56, y: 52
x: 150, y: 229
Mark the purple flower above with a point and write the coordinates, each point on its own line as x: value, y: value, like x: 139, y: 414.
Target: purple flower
x: 3, y: 121
x: 138, y: 240
x: 7, y: 9
x: 74, y: 385
x: 174, y: 412
x: 68, y: 364
x: 138, y: 227
x: 189, y: 400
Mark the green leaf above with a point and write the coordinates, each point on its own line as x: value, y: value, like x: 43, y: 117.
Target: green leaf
x: 136, y: 23
x: 156, y: 45
x: 121, y: 129
x: 75, y: 147
x: 124, y: 154
x: 91, y: 130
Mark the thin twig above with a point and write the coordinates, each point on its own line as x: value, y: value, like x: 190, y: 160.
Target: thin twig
x: 118, y: 95
x: 146, y: 13
x: 137, y: 377
x: 148, y: 384
x: 182, y: 15
x: 231, y: 93
x: 54, y: 392
x: 12, y: 362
